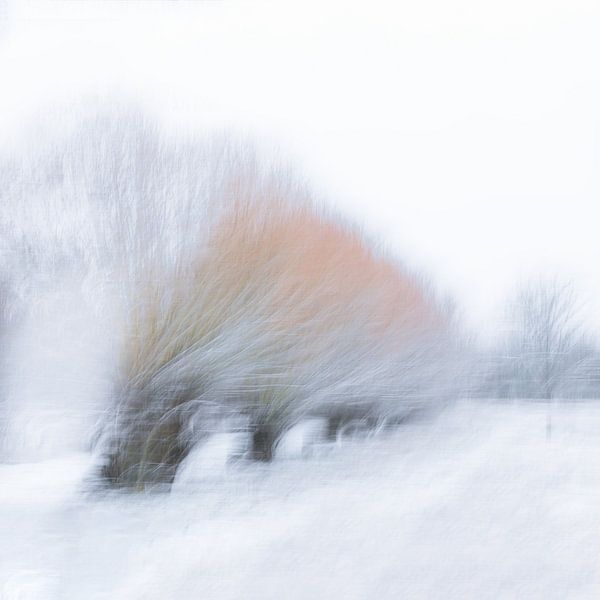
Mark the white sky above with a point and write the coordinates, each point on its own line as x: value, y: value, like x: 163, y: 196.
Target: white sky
x: 463, y: 133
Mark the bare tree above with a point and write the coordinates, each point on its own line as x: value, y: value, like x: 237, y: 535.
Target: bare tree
x: 544, y: 348
x: 546, y: 337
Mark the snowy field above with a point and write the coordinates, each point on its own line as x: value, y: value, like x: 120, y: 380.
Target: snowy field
x: 476, y: 503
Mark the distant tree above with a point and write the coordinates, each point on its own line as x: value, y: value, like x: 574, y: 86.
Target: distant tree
x: 546, y: 338
x: 546, y: 354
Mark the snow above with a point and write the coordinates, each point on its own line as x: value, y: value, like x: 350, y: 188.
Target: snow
x: 477, y: 502
x: 56, y: 375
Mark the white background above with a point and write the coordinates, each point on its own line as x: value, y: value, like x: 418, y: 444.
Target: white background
x: 464, y: 135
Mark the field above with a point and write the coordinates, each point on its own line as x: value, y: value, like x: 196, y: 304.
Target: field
x: 480, y: 501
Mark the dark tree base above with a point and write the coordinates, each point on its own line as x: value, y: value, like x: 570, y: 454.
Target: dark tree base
x: 263, y: 443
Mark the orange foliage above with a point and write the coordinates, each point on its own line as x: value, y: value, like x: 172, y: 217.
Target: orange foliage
x: 314, y: 268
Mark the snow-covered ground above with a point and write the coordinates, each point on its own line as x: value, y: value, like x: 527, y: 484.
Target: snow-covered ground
x: 476, y: 503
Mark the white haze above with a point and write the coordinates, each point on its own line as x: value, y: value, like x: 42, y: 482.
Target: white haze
x: 464, y: 134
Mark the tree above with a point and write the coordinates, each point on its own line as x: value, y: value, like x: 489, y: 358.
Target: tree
x: 544, y: 344
x: 544, y: 350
